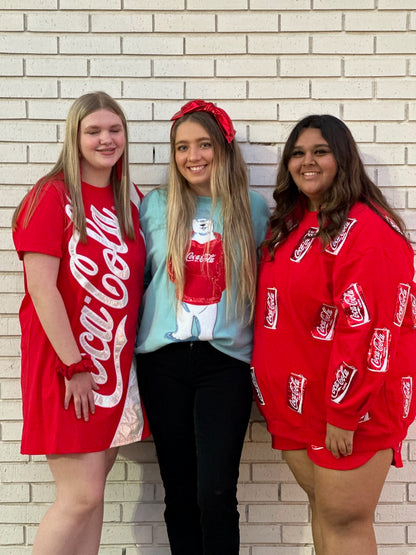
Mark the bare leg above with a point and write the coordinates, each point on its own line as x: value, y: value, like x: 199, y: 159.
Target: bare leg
x: 303, y: 470
x: 72, y: 526
x: 346, y: 501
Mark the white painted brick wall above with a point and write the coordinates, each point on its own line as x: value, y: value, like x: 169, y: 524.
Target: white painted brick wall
x: 269, y: 63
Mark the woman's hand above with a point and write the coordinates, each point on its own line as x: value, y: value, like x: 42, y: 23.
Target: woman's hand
x: 339, y: 441
x: 81, y: 388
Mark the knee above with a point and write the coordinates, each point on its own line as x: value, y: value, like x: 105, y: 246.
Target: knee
x: 217, y: 499
x: 338, y: 515
x: 81, y: 502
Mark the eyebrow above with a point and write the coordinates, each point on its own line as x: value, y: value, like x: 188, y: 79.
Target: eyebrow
x: 114, y: 126
x: 184, y: 141
x: 314, y: 146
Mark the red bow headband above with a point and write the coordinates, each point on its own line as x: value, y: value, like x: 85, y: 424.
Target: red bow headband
x: 221, y: 116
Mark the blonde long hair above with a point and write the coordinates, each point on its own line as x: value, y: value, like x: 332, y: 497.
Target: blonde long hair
x: 229, y: 185
x: 68, y: 165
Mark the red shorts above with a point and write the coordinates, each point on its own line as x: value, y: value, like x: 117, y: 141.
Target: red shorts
x: 320, y: 455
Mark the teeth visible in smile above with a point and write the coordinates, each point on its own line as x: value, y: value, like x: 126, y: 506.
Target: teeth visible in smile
x: 310, y: 173
x: 196, y: 168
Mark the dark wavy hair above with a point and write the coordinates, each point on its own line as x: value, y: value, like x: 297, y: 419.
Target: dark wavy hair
x: 351, y: 184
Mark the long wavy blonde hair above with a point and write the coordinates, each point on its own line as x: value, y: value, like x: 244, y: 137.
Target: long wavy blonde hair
x: 229, y: 186
x: 68, y: 165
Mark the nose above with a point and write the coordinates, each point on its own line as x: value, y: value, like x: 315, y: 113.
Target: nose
x: 194, y: 153
x: 308, y: 158
x: 105, y: 137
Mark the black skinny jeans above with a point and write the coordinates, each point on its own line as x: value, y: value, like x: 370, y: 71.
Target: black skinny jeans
x: 198, y: 402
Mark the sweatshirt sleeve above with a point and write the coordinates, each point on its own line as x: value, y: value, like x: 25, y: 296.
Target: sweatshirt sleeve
x: 372, y: 280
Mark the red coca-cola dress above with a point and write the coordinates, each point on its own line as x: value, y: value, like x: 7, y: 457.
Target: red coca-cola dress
x: 101, y: 285
x: 334, y: 337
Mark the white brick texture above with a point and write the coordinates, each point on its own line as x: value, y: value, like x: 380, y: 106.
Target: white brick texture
x: 269, y: 63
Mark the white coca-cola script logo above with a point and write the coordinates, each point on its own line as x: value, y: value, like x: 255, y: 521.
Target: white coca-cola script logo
x: 103, y: 228
x: 304, y: 245
x: 296, y: 385
x: 344, y: 376
x: 413, y: 307
x: 354, y: 305
x: 407, y: 393
x: 324, y: 324
x: 378, y: 354
x: 403, y: 290
x: 337, y: 242
x: 205, y: 257
x: 271, y: 310
x: 256, y: 386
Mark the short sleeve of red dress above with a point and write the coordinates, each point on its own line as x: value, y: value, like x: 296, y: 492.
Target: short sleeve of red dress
x: 45, y: 232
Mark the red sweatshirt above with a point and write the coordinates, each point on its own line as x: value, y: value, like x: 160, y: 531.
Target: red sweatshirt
x: 334, y: 337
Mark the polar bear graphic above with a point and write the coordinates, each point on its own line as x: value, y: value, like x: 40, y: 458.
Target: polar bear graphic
x: 204, y: 283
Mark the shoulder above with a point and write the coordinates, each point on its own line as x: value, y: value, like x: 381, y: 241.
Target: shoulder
x: 156, y: 199
x: 372, y: 230
x: 50, y: 192
x: 373, y: 224
x: 153, y: 210
x: 260, y: 216
x: 257, y: 201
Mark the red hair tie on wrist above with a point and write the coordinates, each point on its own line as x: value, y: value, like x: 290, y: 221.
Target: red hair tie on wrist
x: 223, y: 119
x: 84, y: 365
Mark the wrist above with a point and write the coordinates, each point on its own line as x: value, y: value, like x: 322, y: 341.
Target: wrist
x: 84, y: 365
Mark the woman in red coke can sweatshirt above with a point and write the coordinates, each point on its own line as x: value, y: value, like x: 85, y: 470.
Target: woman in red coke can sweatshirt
x: 334, y: 361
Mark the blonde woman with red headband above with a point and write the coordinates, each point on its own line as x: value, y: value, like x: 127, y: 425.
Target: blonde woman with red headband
x: 195, y: 336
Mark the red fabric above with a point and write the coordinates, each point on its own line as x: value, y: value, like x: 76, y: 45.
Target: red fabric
x: 319, y: 354
x: 101, y: 284
x: 322, y: 457
x: 223, y: 119
x: 204, y: 272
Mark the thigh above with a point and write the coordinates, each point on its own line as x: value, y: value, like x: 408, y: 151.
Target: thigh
x: 352, y: 493
x: 302, y: 469
x: 222, y: 410
x: 168, y: 398
x: 166, y: 392
x: 80, y: 475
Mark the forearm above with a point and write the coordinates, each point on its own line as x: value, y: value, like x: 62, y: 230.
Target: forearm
x: 41, y: 275
x: 53, y: 317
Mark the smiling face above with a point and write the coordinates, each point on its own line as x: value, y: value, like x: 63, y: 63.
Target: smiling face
x: 101, y: 143
x: 312, y: 166
x: 194, y: 155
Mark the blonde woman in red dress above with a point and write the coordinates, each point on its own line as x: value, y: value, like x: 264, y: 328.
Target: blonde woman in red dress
x: 78, y: 235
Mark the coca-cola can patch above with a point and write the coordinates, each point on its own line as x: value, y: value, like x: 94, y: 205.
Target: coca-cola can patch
x: 271, y: 308
x: 407, y: 394
x: 413, y: 307
x: 403, y: 290
x: 296, y: 385
x: 378, y: 353
x: 338, y: 242
x: 304, y: 244
x: 256, y: 386
x: 324, y: 323
x: 354, y: 306
x: 343, y: 378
